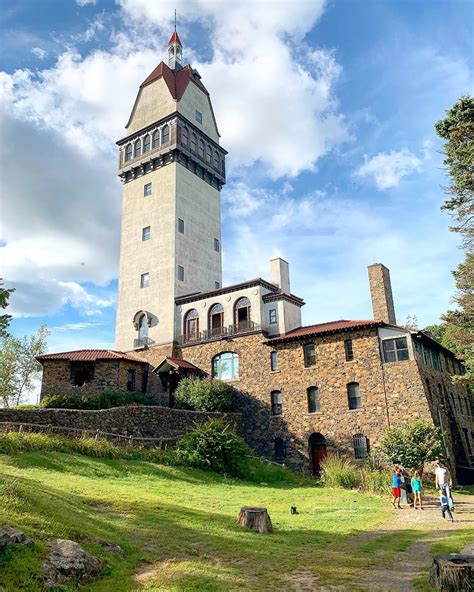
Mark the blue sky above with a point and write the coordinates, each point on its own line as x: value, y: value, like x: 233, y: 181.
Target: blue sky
x: 326, y: 108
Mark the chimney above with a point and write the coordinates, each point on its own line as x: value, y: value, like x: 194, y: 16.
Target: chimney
x: 381, y: 293
x: 280, y: 274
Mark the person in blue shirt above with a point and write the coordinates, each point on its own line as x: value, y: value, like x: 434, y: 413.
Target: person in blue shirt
x: 396, y: 488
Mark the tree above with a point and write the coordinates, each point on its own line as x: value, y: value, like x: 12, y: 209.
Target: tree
x: 457, y: 128
x: 412, y: 444
x: 4, y: 318
x: 18, y: 366
x: 204, y: 395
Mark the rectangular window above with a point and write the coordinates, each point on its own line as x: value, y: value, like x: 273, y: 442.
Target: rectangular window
x: 198, y: 116
x: 309, y: 355
x: 144, y: 280
x: 180, y: 226
x: 277, y: 406
x: 217, y: 285
x: 180, y: 273
x: 353, y: 394
x: 272, y: 316
x: 146, y: 233
x: 130, y: 380
x: 147, y: 189
x: 217, y: 246
x: 348, y: 349
x: 395, y: 350
x: 274, y: 360
x: 313, y: 399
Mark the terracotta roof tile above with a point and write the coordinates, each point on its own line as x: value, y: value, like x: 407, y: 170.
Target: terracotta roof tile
x: 178, y: 363
x: 176, y: 82
x: 174, y: 37
x: 324, y: 328
x: 90, y: 355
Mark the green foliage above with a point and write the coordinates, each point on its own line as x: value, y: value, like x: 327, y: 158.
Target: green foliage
x: 18, y: 367
x: 83, y: 399
x: 4, y: 318
x: 204, y: 395
x: 412, y: 444
x: 340, y: 471
x: 215, y: 446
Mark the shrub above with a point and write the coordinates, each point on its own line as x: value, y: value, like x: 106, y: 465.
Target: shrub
x: 204, y: 395
x: 216, y: 447
x: 340, y: 471
x: 86, y: 400
x: 412, y: 444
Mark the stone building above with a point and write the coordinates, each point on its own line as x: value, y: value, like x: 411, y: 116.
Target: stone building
x: 301, y: 389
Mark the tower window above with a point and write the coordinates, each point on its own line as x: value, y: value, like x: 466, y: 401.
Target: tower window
x: 185, y: 136
x: 156, y: 139
x: 217, y: 246
x: 217, y: 285
x: 180, y: 226
x: 313, y: 399
x: 147, y: 189
x: 309, y: 355
x: 165, y: 134
x: 193, y: 143
x: 146, y: 143
x: 348, y: 350
x: 137, y: 148
x: 353, y: 395
x: 144, y: 280
x: 216, y: 160
x: 201, y: 149
x: 277, y: 406
x: 146, y: 233
x: 272, y: 316
x: 198, y: 116
x: 209, y: 155
x: 180, y: 273
x: 274, y: 360
x: 128, y: 152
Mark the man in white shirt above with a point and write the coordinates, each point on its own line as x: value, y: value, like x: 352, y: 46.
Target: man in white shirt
x: 444, y: 481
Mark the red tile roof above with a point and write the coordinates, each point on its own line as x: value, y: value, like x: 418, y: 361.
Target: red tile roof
x: 177, y: 82
x: 174, y: 37
x: 325, y: 328
x: 90, y: 355
x: 178, y: 363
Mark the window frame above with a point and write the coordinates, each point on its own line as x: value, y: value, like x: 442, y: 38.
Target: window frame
x: 309, y: 359
x: 180, y: 273
x: 165, y: 134
x: 137, y: 148
x: 217, y: 245
x: 145, y: 280
x: 351, y: 397
x: 217, y: 306
x: 146, y: 235
x: 146, y: 143
x: 180, y: 226
x: 155, y: 139
x: 234, y: 366
x: 279, y: 448
x: 349, y: 350
x: 147, y: 189
x: 191, y: 321
x: 270, y: 317
x: 361, y: 446
x: 131, y: 379
x: 274, y: 361
x: 314, y: 404
x: 198, y: 116
x: 276, y: 402
x: 128, y: 152
x: 395, y: 352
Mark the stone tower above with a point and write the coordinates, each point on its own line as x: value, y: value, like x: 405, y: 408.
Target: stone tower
x: 381, y: 293
x: 172, y: 169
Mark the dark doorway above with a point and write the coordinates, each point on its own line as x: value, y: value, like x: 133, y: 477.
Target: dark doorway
x: 317, y: 452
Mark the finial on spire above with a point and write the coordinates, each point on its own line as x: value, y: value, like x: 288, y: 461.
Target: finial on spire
x: 175, y: 20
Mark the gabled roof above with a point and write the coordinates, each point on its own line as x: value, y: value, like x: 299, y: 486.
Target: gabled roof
x: 90, y: 355
x: 325, y: 329
x: 176, y: 82
x: 178, y: 364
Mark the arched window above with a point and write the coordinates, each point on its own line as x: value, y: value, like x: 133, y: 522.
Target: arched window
x: 309, y: 355
x: 142, y: 330
x: 216, y: 320
x: 216, y: 160
x: 361, y: 445
x: 193, y: 143
x: 191, y: 325
x: 185, y: 136
x: 146, y: 143
x: 209, y: 155
x: 156, y: 139
x: 353, y: 395
x: 276, y: 402
x: 280, y: 449
x: 201, y: 149
x: 137, y: 148
x: 165, y: 134
x: 225, y: 366
x: 128, y: 152
x: 313, y: 399
x: 242, y: 314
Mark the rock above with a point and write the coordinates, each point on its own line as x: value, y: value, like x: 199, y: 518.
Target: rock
x: 111, y: 548
x: 67, y: 561
x: 12, y: 536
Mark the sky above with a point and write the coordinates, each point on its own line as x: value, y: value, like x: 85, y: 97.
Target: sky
x: 326, y: 108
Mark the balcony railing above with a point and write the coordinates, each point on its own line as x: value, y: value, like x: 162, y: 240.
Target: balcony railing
x: 216, y: 333
x: 142, y: 342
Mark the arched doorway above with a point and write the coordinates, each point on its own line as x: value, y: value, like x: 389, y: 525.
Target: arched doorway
x: 317, y: 451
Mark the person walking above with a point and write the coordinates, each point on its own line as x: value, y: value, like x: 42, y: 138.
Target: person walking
x: 444, y: 481
x: 417, y: 486
x: 445, y: 507
x: 396, y: 488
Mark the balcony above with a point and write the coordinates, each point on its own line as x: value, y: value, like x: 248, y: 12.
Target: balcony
x: 216, y: 333
x: 142, y: 342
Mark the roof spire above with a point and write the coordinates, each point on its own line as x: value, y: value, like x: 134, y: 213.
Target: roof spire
x: 175, y: 20
x: 175, y: 49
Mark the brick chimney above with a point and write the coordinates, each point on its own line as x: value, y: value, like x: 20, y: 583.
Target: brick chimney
x: 280, y: 274
x: 381, y: 293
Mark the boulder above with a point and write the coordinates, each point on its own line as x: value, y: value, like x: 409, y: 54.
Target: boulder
x: 67, y: 561
x: 12, y: 536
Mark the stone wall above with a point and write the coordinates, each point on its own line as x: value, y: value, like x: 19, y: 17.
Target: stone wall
x: 146, y: 422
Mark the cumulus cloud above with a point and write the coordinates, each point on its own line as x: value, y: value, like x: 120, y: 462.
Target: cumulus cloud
x: 388, y: 168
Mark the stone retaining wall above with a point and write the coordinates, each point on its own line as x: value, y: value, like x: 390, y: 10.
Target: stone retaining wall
x: 145, y: 422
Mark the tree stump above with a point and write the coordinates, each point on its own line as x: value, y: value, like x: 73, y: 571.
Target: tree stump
x: 452, y: 573
x: 255, y: 518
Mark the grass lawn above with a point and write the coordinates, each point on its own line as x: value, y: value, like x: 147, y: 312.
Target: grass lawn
x: 183, y: 522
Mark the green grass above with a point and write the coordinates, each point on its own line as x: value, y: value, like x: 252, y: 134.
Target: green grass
x: 183, y: 522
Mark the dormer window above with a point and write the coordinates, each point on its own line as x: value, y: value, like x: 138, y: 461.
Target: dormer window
x: 198, y: 116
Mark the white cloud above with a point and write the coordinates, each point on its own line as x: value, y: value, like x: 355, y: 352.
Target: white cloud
x: 240, y: 200
x: 83, y: 3
x: 73, y: 327
x: 388, y: 169
x: 39, y: 53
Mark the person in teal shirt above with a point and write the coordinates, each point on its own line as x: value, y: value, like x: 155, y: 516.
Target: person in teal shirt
x: 417, y: 487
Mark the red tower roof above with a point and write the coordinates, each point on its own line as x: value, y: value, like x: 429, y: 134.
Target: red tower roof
x: 174, y: 39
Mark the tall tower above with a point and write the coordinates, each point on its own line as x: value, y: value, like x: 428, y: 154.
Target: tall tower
x: 172, y: 169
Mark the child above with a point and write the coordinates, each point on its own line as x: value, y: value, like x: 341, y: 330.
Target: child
x: 444, y: 500
x: 417, y: 487
x: 396, y: 487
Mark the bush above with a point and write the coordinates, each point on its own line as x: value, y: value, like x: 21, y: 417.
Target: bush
x: 204, y: 395
x: 86, y: 400
x: 216, y: 447
x: 412, y: 444
x: 340, y: 471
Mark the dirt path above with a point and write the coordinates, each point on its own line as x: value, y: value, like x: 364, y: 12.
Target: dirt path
x: 398, y: 575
